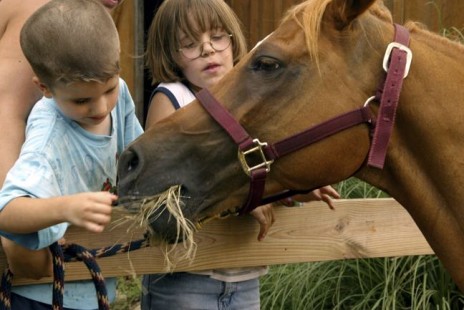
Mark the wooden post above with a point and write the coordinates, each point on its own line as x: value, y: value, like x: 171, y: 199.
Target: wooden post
x: 128, y: 18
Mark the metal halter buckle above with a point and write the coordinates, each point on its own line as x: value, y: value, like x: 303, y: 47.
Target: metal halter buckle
x: 401, y: 47
x: 258, y: 150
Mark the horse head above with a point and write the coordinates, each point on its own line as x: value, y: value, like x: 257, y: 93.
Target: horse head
x: 321, y: 61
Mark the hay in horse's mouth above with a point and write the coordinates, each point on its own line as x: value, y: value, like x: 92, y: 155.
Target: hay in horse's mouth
x: 141, y: 211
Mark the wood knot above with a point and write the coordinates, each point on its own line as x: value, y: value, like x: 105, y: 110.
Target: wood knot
x: 342, y: 224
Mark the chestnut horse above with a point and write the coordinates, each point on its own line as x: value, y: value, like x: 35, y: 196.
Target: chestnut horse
x: 324, y: 60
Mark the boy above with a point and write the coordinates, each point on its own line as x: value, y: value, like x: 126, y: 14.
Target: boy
x: 73, y: 137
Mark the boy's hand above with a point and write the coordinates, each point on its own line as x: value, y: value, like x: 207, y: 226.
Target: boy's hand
x: 91, y: 211
x: 265, y: 216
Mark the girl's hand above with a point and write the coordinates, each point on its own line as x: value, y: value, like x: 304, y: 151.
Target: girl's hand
x: 325, y: 194
x: 91, y: 211
x: 265, y: 216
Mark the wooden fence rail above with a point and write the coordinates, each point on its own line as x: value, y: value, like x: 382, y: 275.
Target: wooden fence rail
x: 357, y: 228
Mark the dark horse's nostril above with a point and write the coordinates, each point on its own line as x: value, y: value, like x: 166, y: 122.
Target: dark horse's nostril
x: 129, y: 166
x: 129, y: 161
x: 132, y: 162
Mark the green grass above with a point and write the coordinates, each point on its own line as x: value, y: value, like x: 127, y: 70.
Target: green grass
x: 394, y: 283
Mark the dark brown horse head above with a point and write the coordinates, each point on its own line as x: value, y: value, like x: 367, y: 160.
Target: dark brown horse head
x: 325, y: 59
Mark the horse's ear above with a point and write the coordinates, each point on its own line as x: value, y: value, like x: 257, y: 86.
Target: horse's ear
x: 343, y: 12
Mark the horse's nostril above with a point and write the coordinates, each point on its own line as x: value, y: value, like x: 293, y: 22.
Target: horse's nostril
x: 185, y: 193
x: 133, y: 162
x: 130, y: 164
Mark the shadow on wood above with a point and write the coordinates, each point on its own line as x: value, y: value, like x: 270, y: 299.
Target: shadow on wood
x: 357, y: 228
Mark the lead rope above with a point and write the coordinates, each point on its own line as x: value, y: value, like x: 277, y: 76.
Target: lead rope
x: 58, y: 276
x: 5, y: 290
x: 68, y: 253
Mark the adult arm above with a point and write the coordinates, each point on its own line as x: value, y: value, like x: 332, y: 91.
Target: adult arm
x: 27, y: 263
x: 17, y: 96
x: 17, y: 91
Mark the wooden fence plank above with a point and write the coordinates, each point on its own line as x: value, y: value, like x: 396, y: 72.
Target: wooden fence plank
x: 358, y: 228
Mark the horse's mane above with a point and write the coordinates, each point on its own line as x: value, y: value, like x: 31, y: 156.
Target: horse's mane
x: 308, y: 15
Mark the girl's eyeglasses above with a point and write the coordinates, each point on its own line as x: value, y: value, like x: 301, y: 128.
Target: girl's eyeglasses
x: 217, y: 42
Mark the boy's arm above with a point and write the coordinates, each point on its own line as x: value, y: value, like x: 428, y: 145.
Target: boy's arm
x: 24, y: 215
x: 88, y: 210
x: 27, y: 263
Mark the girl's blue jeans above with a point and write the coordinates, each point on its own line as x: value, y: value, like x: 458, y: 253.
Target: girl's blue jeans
x: 191, y: 291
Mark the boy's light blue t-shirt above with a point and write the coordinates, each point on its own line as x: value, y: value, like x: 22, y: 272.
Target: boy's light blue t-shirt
x: 60, y: 158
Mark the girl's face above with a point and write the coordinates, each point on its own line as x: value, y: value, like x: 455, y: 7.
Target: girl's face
x: 212, y: 62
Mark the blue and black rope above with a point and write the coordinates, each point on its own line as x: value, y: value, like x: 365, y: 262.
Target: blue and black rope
x: 69, y: 253
x: 58, y: 276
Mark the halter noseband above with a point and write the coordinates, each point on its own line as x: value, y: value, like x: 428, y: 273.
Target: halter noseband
x: 396, y: 63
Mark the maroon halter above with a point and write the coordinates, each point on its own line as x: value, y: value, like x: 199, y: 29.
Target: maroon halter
x: 397, y: 61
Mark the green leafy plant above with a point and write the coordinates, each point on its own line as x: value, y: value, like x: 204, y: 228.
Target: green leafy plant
x: 128, y: 293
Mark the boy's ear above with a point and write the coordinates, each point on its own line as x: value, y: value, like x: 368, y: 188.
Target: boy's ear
x: 43, y: 88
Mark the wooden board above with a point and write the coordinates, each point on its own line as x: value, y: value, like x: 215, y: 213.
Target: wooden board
x: 357, y: 228
x: 128, y: 18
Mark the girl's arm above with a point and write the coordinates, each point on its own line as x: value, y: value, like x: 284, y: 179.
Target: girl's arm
x: 160, y: 108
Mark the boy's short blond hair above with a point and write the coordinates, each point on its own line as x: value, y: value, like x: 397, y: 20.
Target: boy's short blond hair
x: 71, y: 40
x: 193, y: 17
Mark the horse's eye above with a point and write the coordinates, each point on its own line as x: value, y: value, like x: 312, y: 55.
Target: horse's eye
x: 267, y: 64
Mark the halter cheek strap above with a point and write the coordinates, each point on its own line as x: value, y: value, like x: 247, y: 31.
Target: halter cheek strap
x: 396, y: 63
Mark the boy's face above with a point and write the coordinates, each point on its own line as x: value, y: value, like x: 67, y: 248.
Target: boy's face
x: 87, y: 103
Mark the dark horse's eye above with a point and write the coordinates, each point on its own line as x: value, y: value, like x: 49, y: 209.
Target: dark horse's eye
x: 267, y: 64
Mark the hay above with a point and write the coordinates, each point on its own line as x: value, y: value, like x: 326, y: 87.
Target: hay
x: 140, y: 212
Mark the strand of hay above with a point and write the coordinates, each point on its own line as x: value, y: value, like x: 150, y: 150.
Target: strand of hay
x: 140, y: 212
